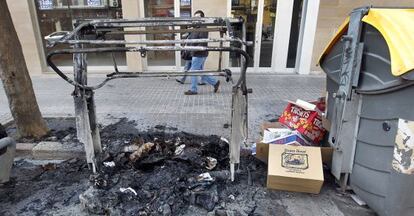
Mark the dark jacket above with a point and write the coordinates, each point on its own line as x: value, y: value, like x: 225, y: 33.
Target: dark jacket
x: 198, y: 35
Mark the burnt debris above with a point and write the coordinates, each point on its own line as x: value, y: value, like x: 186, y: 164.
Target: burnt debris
x: 157, y: 173
x: 143, y: 173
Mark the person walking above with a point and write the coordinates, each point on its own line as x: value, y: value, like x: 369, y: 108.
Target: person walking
x: 186, y: 56
x: 198, y: 59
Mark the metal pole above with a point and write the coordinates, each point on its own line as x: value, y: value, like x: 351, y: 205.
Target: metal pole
x: 239, y: 112
x: 244, y: 37
x: 221, y: 52
x: 86, y: 128
x: 153, y: 42
x: 142, y: 50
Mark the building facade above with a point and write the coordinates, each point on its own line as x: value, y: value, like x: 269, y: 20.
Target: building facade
x: 288, y: 35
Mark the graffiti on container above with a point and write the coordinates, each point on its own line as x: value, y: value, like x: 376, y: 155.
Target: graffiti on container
x: 403, y: 161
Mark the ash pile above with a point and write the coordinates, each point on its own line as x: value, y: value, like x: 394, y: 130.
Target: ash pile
x: 160, y: 173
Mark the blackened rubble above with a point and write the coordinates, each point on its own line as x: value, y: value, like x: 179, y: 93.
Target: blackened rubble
x: 162, y: 181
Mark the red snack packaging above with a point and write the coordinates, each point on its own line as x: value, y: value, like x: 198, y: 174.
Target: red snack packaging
x: 307, y: 121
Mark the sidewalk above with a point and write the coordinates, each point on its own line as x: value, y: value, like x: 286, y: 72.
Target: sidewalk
x: 153, y: 101
x: 160, y: 101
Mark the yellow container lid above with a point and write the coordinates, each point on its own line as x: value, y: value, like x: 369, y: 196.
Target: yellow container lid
x: 395, y: 25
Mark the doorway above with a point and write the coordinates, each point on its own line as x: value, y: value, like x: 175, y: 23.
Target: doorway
x: 275, y: 27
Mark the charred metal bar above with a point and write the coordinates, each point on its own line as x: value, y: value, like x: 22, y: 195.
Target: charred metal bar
x: 239, y: 112
x: 154, y: 42
x: 244, y: 30
x: 221, y: 52
x: 152, y: 22
x: 115, y: 64
x: 213, y: 20
x: 224, y: 73
x: 87, y: 130
x: 152, y: 31
x: 229, y: 28
x: 170, y: 21
x: 138, y: 49
x: 170, y: 73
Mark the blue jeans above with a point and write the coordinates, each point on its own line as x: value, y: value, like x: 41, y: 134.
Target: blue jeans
x: 187, y: 67
x: 197, y: 64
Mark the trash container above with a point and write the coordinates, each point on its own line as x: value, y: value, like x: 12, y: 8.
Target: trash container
x: 7, y: 151
x: 369, y: 66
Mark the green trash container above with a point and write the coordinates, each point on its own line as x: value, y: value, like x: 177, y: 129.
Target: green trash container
x: 370, y: 71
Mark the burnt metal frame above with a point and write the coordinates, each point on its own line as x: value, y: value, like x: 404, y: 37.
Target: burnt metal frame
x: 86, y: 124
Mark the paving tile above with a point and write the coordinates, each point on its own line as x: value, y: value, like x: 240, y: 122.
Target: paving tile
x: 152, y: 101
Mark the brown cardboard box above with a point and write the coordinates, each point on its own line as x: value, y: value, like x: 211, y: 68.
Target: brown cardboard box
x: 327, y: 153
x: 262, y: 152
x: 267, y: 125
x: 295, y: 168
x: 262, y: 149
x: 326, y: 124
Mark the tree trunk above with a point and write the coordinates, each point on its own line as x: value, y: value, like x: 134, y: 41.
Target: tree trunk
x: 16, y: 80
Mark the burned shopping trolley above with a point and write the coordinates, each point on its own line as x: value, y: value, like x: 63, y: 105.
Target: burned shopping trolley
x: 89, y: 36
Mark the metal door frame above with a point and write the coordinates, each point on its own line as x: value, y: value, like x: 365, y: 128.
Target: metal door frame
x: 280, y: 44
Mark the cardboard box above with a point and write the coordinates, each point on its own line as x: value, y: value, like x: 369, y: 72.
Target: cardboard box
x: 272, y: 134
x: 267, y: 125
x: 283, y: 136
x: 292, y: 139
x: 295, y: 168
x: 306, y: 120
x: 327, y: 153
x: 262, y: 149
x: 326, y: 124
x: 262, y: 153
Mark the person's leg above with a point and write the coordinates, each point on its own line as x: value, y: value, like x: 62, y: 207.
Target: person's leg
x: 194, y: 81
x: 206, y: 78
x: 201, y: 82
x: 209, y: 79
x: 196, y: 65
x: 187, y: 67
x: 212, y: 81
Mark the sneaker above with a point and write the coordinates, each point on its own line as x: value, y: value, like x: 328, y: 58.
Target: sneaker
x: 189, y: 92
x: 216, y: 86
x: 200, y: 84
x: 179, y: 81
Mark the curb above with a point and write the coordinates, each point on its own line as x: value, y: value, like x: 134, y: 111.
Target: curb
x: 46, y: 150
x: 49, y: 151
x: 6, y: 119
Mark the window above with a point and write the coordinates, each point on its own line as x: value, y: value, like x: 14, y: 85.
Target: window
x: 248, y: 10
x: 79, y: 4
x: 58, y: 16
